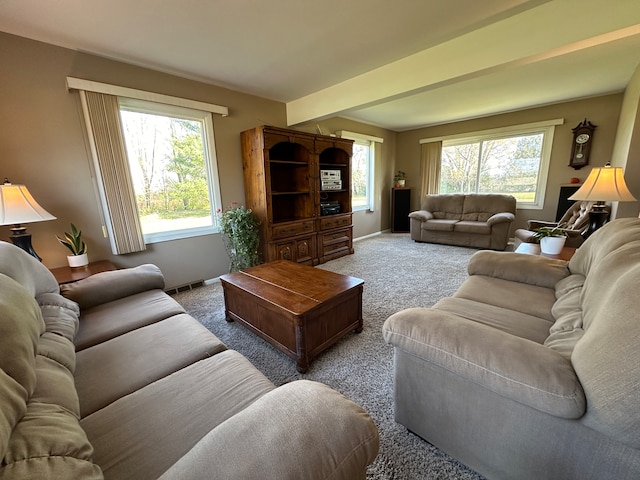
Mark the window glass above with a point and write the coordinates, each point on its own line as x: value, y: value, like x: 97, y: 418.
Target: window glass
x: 360, y: 176
x: 168, y: 153
x: 512, y: 165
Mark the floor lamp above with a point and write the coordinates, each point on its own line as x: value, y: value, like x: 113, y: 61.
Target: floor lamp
x: 604, y: 184
x: 18, y: 206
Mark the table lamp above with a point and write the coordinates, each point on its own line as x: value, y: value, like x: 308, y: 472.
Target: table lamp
x: 603, y: 184
x: 18, y: 206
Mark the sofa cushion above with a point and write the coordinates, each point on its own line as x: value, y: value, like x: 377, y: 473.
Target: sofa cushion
x: 26, y: 270
x: 49, y: 443
x: 441, y: 225
x: 60, y: 315
x: 508, y: 295
x: 20, y: 327
x: 100, y: 383
x: 111, y: 319
x: 143, y: 434
x: 445, y: 206
x: 510, y: 321
x: 469, y: 226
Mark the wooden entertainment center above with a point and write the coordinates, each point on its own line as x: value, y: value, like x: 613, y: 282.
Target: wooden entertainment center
x: 301, y: 218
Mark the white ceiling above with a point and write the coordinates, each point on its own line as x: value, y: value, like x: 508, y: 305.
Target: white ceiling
x: 400, y: 65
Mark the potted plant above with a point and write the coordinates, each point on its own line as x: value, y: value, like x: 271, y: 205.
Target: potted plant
x: 400, y: 179
x: 241, y: 236
x: 73, y: 241
x: 551, y: 239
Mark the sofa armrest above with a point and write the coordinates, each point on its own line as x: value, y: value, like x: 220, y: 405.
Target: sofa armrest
x: 302, y: 429
x: 510, y: 366
x: 421, y: 215
x: 108, y: 286
x: 502, y: 217
x: 518, y: 267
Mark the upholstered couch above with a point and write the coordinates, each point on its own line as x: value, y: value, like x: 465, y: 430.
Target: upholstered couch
x: 532, y: 369
x: 474, y: 220
x: 114, y: 379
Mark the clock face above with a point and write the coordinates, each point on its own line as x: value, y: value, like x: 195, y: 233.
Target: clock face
x: 582, y: 138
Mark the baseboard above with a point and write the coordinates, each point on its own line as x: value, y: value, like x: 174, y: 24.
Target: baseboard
x: 371, y: 235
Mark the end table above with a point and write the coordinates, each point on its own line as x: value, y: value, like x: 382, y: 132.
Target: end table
x: 69, y: 275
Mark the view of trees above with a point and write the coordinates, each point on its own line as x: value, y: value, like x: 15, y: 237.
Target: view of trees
x: 168, y: 167
x: 506, y: 165
x: 359, y: 175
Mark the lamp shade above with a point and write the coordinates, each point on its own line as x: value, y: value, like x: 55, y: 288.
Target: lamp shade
x: 604, y: 184
x: 17, y: 206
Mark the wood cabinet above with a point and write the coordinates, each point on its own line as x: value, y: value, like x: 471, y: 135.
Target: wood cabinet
x: 302, y: 218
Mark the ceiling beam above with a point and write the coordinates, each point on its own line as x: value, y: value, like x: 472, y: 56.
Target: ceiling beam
x: 558, y: 28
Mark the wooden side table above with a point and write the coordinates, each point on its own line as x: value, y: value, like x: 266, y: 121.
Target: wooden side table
x: 534, y: 249
x: 69, y: 275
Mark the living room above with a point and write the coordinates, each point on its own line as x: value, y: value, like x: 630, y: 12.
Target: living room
x: 56, y: 166
x: 44, y: 144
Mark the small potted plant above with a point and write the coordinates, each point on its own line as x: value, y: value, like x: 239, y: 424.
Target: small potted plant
x: 551, y: 239
x: 400, y: 179
x: 73, y: 241
x: 241, y: 236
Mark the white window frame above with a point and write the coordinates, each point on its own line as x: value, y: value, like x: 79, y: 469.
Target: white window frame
x: 547, y: 128
x: 370, y: 142
x: 211, y: 163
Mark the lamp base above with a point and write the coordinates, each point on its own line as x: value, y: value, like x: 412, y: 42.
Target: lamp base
x: 598, y: 216
x: 20, y: 238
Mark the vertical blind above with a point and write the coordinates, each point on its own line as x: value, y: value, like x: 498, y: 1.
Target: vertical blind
x: 114, y: 177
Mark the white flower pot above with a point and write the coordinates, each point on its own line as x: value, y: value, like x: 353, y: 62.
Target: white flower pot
x: 552, y: 245
x: 401, y: 183
x: 78, y: 260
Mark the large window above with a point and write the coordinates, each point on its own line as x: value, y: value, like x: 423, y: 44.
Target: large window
x: 511, y: 162
x: 362, y: 169
x: 361, y: 177
x: 169, y: 155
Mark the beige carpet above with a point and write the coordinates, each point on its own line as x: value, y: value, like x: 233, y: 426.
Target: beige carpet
x: 398, y: 273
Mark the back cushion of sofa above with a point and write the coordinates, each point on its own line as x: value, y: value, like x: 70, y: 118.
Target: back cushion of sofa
x: 607, y: 355
x: 567, y: 311
x: 479, y: 208
x: 445, y: 206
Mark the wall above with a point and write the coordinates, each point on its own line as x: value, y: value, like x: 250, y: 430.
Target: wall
x: 42, y: 144
x: 626, y: 152
x: 602, y: 111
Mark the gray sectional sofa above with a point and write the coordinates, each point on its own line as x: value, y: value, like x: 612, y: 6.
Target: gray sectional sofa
x: 473, y: 220
x: 532, y: 369
x: 114, y: 380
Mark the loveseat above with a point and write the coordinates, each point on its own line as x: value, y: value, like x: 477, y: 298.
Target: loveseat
x: 473, y: 220
x: 115, y: 380
x: 531, y: 370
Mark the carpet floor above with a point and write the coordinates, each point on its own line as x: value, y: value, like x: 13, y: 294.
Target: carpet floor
x: 398, y: 273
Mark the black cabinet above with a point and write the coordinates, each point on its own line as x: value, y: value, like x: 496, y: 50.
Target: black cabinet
x: 400, y: 209
x: 563, y: 200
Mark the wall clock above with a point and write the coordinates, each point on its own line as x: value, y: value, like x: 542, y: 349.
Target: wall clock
x: 581, y: 147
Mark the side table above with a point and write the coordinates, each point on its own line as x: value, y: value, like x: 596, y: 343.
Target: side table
x: 69, y: 275
x: 534, y: 249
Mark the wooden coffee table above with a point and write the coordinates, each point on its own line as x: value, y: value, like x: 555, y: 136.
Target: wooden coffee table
x: 298, y: 309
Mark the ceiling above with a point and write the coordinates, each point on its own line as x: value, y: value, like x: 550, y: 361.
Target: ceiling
x: 399, y: 65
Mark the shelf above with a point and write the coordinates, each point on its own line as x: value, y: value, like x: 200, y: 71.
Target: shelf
x: 333, y: 191
x: 325, y: 164
x: 290, y: 162
x: 306, y: 192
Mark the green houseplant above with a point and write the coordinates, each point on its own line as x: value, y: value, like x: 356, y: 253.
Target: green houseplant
x: 551, y: 239
x: 400, y: 178
x: 241, y: 236
x: 76, y: 245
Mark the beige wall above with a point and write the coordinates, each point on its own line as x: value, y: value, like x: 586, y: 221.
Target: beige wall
x: 626, y: 153
x: 601, y: 111
x: 42, y: 145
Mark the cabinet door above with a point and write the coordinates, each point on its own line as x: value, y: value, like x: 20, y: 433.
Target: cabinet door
x: 301, y: 250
